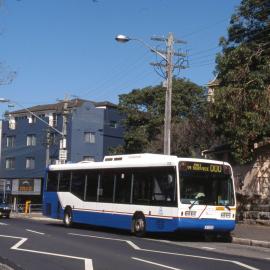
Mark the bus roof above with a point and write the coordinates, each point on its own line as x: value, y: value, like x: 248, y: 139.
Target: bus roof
x: 132, y: 160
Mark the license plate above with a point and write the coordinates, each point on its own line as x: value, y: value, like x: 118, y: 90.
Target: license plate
x: 209, y: 227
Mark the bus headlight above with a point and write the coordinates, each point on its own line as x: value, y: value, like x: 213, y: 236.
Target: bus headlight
x: 225, y: 215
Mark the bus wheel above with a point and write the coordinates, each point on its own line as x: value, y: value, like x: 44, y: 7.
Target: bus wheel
x: 68, y: 217
x: 209, y: 237
x: 226, y: 237
x: 139, y: 225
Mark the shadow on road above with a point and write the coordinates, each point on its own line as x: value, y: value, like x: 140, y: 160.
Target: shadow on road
x: 179, y: 236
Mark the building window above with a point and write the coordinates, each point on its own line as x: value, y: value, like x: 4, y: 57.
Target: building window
x: 32, y: 119
x: 10, y: 163
x: 53, y: 138
x: 88, y: 158
x: 31, y: 140
x: 113, y: 124
x: 53, y: 119
x: 89, y: 137
x: 30, y: 163
x: 12, y: 123
x: 10, y: 141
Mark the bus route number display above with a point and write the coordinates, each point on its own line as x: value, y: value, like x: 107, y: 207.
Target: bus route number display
x: 202, y: 167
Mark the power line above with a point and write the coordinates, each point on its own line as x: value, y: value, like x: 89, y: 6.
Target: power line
x: 116, y: 74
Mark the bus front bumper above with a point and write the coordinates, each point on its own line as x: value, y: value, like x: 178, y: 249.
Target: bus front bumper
x: 204, y: 224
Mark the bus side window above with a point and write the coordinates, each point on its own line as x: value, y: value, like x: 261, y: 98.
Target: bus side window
x: 106, y: 186
x: 92, y: 185
x: 123, y: 187
x: 142, y: 187
x: 78, y: 184
x: 64, y: 183
x: 52, y: 181
x: 163, y: 187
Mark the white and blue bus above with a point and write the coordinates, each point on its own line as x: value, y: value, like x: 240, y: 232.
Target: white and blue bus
x: 143, y: 193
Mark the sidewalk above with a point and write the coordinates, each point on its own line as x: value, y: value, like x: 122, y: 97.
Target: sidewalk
x: 252, y: 235
x: 33, y: 215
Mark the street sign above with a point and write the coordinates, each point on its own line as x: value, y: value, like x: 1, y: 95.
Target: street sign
x: 63, y: 154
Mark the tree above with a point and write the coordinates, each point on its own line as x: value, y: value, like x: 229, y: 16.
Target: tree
x: 241, y: 102
x: 144, y: 121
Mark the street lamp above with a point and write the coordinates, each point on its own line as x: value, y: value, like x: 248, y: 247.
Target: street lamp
x: 169, y: 70
x: 4, y: 100
x: 124, y: 39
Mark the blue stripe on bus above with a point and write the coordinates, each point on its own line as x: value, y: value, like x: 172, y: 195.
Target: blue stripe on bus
x: 102, y: 219
x: 53, y: 209
x: 153, y: 224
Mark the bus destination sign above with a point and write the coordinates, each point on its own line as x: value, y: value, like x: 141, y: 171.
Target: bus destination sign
x: 204, y: 167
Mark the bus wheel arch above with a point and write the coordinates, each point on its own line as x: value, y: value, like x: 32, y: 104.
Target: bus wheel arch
x: 138, y: 224
x: 68, y: 216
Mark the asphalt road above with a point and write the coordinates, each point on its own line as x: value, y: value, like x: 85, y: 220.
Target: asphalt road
x: 44, y: 245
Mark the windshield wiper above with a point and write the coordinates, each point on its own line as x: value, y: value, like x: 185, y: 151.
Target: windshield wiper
x: 228, y: 207
x: 195, y: 200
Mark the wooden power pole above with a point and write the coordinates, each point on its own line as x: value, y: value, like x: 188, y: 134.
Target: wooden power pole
x: 169, y: 68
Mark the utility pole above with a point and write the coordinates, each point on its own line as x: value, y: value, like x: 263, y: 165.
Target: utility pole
x: 47, y: 147
x: 168, y: 100
x: 169, y: 66
x: 63, y: 143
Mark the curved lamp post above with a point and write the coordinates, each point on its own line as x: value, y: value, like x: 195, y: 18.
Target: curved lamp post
x: 169, y: 69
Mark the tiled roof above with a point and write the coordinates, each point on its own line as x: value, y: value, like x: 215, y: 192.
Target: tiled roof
x: 214, y: 82
x: 58, y: 107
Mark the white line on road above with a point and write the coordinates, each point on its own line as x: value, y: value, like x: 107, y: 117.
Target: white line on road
x: 245, y: 265
x: 208, y: 248
x: 106, y: 238
x: 202, y: 257
x: 157, y: 264
x: 168, y: 253
x: 35, y: 232
x: 87, y: 262
x: 3, y: 224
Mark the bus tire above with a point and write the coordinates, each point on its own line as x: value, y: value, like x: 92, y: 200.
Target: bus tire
x: 226, y: 237
x: 68, y: 217
x: 210, y: 237
x: 138, y: 224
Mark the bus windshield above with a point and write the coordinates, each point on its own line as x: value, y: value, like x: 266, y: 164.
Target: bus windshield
x: 206, y: 184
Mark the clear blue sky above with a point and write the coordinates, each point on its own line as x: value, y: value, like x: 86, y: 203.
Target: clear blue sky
x: 67, y: 47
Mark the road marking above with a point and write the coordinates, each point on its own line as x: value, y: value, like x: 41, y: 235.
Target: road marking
x: 87, y: 262
x: 3, y: 224
x: 169, y: 253
x: 245, y: 265
x: 35, y: 232
x: 157, y: 264
x: 133, y: 245
x: 107, y: 238
x: 208, y: 248
x: 202, y: 257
